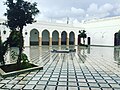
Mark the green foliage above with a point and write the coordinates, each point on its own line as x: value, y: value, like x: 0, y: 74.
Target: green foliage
x: 20, y: 13
x: 24, y: 58
x: 25, y: 62
x: 26, y: 65
x: 82, y: 34
x: 14, y: 55
x: 14, y: 39
x: 3, y: 50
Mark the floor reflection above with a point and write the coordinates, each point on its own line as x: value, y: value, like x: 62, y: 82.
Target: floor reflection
x: 89, y: 68
x: 40, y: 55
x: 117, y: 56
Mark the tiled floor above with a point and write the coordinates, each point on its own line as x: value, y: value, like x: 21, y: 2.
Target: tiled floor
x: 94, y: 68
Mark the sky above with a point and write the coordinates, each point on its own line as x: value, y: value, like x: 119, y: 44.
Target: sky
x: 60, y: 10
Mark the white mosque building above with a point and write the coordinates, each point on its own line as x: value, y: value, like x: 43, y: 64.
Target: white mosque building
x: 101, y: 32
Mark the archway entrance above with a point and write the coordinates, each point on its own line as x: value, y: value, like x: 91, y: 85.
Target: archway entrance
x: 45, y: 37
x: 34, y: 37
x: 63, y: 38
x: 71, y: 38
x: 55, y: 38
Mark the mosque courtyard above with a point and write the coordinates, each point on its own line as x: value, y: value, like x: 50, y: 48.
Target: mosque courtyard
x: 92, y: 68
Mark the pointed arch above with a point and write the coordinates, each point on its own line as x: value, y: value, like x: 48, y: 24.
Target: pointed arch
x: 71, y: 38
x: 64, y: 38
x: 55, y: 37
x: 45, y: 37
x: 34, y: 37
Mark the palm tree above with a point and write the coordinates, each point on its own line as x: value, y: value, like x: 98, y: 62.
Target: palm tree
x: 19, y: 14
x: 83, y: 35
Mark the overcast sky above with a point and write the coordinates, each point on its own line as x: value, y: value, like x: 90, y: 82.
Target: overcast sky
x: 52, y: 10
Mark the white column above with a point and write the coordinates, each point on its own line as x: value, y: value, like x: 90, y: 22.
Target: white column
x: 40, y: 39
x: 67, y: 39
x: 76, y: 39
x: 59, y: 41
x: 50, y: 39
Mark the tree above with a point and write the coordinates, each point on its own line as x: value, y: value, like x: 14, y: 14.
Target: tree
x: 14, y: 39
x: 19, y: 14
x: 83, y: 35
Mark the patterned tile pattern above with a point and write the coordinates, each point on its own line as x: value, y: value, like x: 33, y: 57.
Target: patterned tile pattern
x: 94, y: 68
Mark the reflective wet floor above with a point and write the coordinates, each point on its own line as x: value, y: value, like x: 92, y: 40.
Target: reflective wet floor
x: 93, y: 68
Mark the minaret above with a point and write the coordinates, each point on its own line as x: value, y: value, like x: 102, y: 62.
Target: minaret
x: 67, y: 20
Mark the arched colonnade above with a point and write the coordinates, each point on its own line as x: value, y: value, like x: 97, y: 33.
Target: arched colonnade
x: 55, y: 37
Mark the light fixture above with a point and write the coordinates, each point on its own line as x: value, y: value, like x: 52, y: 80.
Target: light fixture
x: 4, y: 32
x: 25, y: 33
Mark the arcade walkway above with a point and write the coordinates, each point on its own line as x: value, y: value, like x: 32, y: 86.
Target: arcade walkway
x: 94, y: 68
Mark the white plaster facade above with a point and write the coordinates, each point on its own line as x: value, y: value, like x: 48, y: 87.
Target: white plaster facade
x: 101, y: 31
x: 41, y: 27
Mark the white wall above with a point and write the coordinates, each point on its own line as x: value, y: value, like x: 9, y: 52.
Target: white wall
x: 102, y: 31
x: 51, y: 27
x: 4, y: 36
